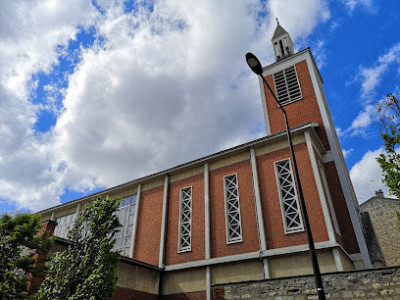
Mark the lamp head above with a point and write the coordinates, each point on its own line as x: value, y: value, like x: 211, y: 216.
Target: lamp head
x: 254, y: 63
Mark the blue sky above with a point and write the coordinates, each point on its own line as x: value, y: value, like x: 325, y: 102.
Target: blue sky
x: 97, y: 93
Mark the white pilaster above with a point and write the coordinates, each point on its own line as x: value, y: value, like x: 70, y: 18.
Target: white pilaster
x: 135, y: 219
x: 163, y: 222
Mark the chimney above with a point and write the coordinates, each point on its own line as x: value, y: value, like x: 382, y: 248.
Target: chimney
x: 379, y: 194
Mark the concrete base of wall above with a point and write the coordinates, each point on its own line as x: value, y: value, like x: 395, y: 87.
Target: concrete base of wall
x: 383, y: 283
x: 200, y: 295
x: 122, y: 293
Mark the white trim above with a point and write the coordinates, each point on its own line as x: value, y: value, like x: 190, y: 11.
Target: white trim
x: 213, y: 261
x: 257, y: 198
x: 259, y: 212
x: 208, y: 283
x: 207, y: 212
x: 296, y: 197
x: 227, y: 225
x: 78, y: 209
x: 338, y: 261
x: 281, y: 65
x: 135, y: 220
x: 189, y: 248
x: 327, y: 157
x: 320, y: 187
x: 264, y: 105
x: 339, y: 163
x: 164, y: 217
x: 251, y: 255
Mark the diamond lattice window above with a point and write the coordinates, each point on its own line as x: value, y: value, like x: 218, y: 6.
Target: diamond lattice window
x: 185, y: 221
x: 287, y: 86
x: 232, y: 209
x: 289, y: 202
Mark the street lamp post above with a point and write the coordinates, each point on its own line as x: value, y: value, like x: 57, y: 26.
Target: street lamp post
x: 256, y: 67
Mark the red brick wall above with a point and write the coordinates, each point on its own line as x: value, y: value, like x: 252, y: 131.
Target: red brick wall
x: 250, y: 242
x: 201, y: 295
x: 198, y: 235
x: 122, y: 293
x: 300, y: 112
x: 147, y: 245
x: 348, y: 238
x: 274, y: 227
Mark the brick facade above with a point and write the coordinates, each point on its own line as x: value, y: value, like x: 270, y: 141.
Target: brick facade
x: 147, y: 246
x: 348, y: 238
x: 273, y: 222
x: 198, y: 248
x: 219, y: 246
x: 300, y: 112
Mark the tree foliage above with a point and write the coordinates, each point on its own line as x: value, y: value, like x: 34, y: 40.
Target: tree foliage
x: 87, y: 269
x: 389, y: 115
x: 18, y: 259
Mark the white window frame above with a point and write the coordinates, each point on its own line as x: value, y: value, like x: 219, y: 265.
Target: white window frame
x: 230, y: 240
x: 189, y: 247
x: 300, y: 227
x: 286, y: 85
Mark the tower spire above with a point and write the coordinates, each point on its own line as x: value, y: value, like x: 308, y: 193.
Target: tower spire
x: 282, y: 43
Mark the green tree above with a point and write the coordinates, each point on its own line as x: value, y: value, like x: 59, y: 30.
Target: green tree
x: 389, y: 115
x: 87, y: 269
x: 19, y: 249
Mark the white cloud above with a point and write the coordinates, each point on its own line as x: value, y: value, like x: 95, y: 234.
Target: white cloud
x: 164, y: 86
x: 299, y: 17
x: 366, y: 5
x: 372, y: 76
x: 29, y: 35
x: 347, y: 153
x: 366, y: 176
x: 363, y: 120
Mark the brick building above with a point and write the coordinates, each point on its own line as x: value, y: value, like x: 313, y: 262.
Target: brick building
x: 234, y: 215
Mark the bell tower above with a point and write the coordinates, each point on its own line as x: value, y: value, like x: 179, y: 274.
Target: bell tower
x: 297, y: 84
x: 283, y: 44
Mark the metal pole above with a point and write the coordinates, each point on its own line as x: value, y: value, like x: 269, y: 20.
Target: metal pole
x: 314, y: 259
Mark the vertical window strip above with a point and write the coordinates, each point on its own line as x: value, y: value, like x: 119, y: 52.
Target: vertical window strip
x: 288, y: 197
x: 232, y: 209
x: 64, y: 224
x: 287, y: 86
x: 185, y: 220
x: 125, y: 213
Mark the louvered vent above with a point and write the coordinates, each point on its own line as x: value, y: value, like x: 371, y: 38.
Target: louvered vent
x: 287, y: 86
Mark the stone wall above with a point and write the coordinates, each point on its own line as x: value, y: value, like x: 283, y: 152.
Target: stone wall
x: 383, y: 283
x: 382, y: 212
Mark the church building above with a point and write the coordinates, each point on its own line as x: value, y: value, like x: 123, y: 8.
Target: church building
x: 234, y: 216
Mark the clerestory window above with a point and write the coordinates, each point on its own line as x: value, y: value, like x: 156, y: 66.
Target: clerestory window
x: 232, y: 209
x: 287, y: 86
x: 291, y: 214
x: 126, y: 214
x: 64, y: 224
x: 185, y: 220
